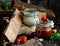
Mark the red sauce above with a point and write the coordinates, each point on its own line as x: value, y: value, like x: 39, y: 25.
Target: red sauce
x: 43, y: 34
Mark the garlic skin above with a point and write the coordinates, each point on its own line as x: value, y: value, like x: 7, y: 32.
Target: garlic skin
x: 27, y: 30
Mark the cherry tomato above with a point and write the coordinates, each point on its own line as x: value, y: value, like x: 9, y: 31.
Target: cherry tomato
x: 18, y: 40
x: 24, y: 39
x: 45, y: 19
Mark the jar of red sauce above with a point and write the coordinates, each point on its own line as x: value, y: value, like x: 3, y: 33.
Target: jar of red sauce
x: 44, y: 30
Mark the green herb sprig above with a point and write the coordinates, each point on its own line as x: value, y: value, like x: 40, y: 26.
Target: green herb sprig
x: 6, y: 5
x: 55, y: 36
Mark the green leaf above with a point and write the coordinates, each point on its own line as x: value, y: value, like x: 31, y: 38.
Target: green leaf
x: 51, y: 38
x: 6, y: 5
x: 55, y: 36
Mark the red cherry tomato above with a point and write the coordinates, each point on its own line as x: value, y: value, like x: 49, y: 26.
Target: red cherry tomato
x: 45, y: 19
x: 18, y: 40
x: 24, y: 39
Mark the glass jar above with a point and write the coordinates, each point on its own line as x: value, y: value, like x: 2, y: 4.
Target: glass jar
x: 44, y: 30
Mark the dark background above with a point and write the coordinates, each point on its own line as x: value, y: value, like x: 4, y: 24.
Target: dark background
x: 50, y: 4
